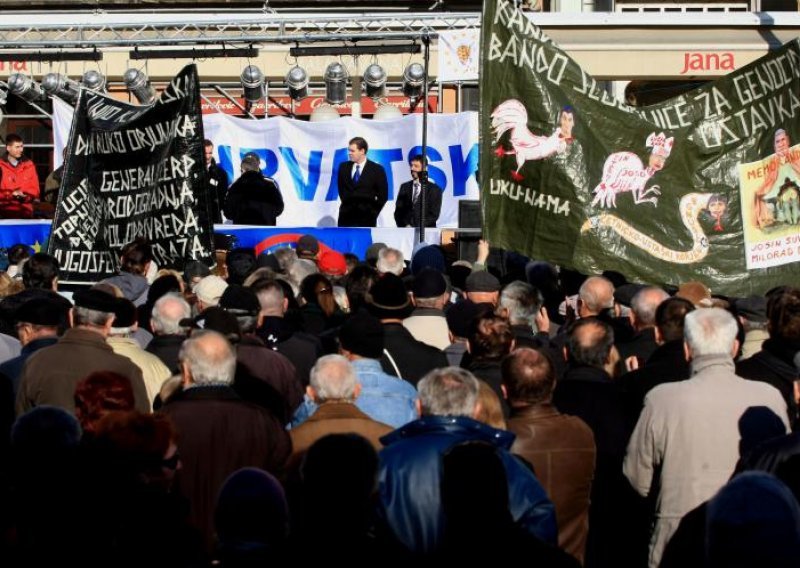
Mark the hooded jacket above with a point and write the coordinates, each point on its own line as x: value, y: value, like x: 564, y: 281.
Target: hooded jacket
x: 21, y: 177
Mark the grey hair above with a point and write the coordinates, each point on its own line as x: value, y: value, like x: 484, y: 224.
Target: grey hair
x: 710, y: 331
x: 427, y: 302
x: 271, y: 297
x: 450, y: 391
x: 86, y: 316
x: 333, y: 378
x: 285, y: 257
x: 300, y: 269
x: 120, y: 331
x: 207, y: 364
x: 645, y: 303
x: 258, y: 274
x: 523, y: 302
x: 597, y: 294
x: 168, y: 311
x: 390, y: 260
x: 247, y: 323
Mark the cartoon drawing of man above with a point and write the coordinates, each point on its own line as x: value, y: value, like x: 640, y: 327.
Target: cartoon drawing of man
x: 566, y: 123
x: 512, y: 116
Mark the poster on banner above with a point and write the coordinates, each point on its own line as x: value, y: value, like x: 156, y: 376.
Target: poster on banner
x: 303, y: 157
x: 703, y: 186
x: 770, y: 195
x: 133, y: 172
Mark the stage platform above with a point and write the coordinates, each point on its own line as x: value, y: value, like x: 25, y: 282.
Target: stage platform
x: 355, y: 240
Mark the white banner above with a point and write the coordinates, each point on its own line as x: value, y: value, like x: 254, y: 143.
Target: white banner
x: 303, y: 157
x: 459, y: 55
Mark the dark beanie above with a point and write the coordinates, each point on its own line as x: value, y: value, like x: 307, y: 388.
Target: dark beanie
x: 429, y: 284
x: 251, y: 509
x: 240, y: 262
x: 428, y: 257
x: 362, y: 335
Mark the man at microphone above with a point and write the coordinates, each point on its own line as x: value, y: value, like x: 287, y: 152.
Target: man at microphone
x: 408, y: 207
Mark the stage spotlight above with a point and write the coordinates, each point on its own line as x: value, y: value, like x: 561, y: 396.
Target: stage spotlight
x: 25, y: 88
x: 375, y: 81
x: 138, y: 83
x: 413, y: 80
x: 323, y: 113
x: 61, y: 86
x: 252, y: 80
x: 297, y: 83
x: 94, y: 81
x: 335, y: 83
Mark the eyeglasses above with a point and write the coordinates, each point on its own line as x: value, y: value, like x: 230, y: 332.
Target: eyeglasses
x: 324, y: 291
x: 171, y: 462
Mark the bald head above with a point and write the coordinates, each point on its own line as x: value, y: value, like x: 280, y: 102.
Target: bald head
x: 590, y: 343
x: 528, y: 376
x: 207, y: 358
x: 595, y: 295
x: 168, y: 311
x: 644, y: 305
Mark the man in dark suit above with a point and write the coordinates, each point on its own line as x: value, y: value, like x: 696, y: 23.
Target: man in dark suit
x: 253, y: 199
x: 363, y: 189
x: 409, y: 199
x: 217, y: 182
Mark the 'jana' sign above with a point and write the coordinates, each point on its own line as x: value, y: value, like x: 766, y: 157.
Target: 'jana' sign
x: 697, y: 61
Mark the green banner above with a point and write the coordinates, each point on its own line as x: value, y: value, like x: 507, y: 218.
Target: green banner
x: 705, y: 186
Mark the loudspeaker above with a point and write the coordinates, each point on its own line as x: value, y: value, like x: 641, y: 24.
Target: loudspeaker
x: 469, y: 214
x: 469, y: 217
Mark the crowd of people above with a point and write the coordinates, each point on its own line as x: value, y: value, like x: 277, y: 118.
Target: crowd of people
x: 420, y: 407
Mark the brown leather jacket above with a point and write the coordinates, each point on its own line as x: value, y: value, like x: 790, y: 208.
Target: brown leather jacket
x: 562, y: 451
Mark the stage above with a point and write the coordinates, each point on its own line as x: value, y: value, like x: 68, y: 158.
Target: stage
x: 355, y: 240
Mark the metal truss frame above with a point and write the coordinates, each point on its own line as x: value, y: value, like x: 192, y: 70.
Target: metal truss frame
x: 107, y: 30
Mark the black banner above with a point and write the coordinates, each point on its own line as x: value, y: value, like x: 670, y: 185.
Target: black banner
x: 134, y: 171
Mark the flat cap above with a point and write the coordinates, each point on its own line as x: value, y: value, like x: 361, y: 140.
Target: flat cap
x: 482, y: 281
x: 95, y: 300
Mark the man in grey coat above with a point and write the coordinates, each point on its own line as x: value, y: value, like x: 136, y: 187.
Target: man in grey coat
x: 689, y: 433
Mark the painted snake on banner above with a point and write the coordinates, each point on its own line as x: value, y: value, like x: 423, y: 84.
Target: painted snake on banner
x: 690, y: 207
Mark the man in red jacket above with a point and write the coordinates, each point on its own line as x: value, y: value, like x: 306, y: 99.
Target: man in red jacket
x: 19, y: 184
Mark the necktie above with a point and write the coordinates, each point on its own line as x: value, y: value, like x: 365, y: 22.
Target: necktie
x: 357, y: 174
x: 416, y: 192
